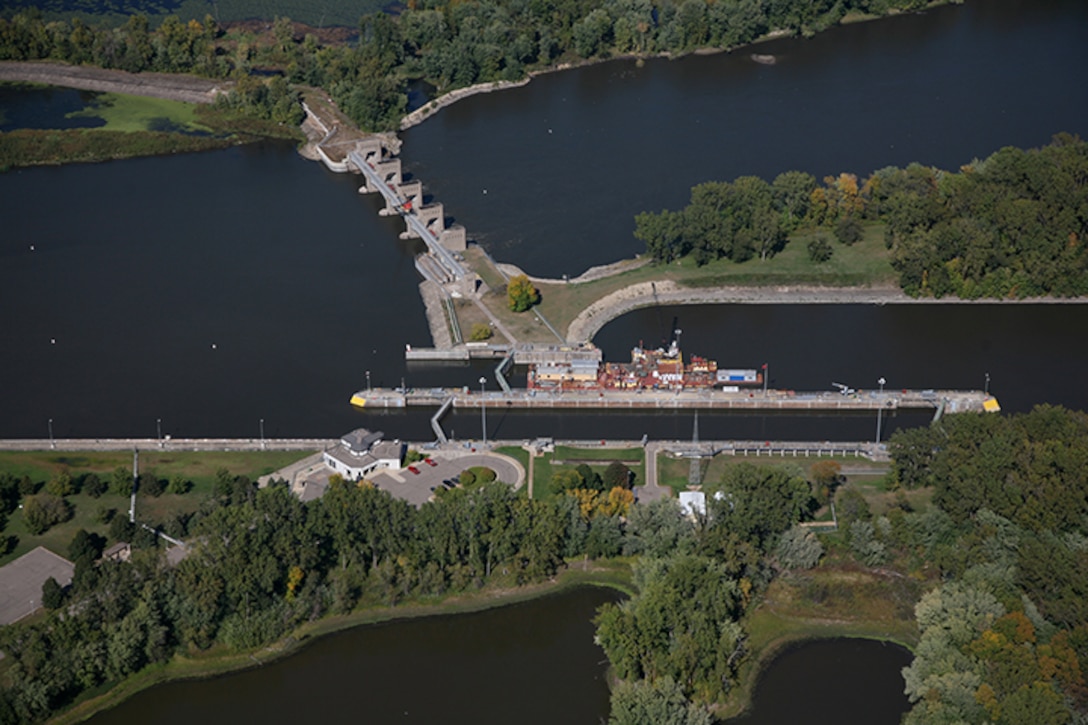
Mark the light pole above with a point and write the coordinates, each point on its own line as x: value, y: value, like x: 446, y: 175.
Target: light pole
x: 986, y: 390
x: 158, y: 430
x: 51, y: 443
x: 766, y: 377
x: 880, y: 408
x: 368, y: 381
x: 483, y: 410
x: 262, y: 434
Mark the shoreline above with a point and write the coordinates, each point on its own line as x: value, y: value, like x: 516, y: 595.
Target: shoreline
x: 180, y: 668
x: 600, y: 312
x: 170, y: 86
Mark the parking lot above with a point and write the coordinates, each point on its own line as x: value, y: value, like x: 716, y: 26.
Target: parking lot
x: 416, y: 488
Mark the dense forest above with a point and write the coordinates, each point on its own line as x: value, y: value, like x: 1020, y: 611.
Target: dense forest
x: 450, y: 44
x: 1012, y: 225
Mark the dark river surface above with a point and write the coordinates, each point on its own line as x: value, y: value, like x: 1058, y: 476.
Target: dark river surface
x: 215, y: 290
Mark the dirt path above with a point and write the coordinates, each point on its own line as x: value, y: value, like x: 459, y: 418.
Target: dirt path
x: 174, y: 87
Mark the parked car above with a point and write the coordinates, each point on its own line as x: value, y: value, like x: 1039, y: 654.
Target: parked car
x: 430, y: 462
x: 413, y: 469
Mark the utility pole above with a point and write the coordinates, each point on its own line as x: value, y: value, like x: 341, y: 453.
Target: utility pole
x: 483, y: 410
x: 880, y: 408
x: 135, y: 480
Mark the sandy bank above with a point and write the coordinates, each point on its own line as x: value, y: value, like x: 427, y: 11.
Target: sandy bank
x: 171, y: 86
x: 647, y: 294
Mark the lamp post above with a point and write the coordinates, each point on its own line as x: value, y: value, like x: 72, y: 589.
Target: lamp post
x: 483, y: 410
x: 262, y: 433
x: 368, y: 381
x: 986, y: 390
x: 880, y: 408
x: 158, y: 430
x: 766, y: 377
x: 51, y: 443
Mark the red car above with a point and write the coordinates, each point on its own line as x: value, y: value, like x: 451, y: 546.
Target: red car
x: 430, y: 462
x: 413, y: 469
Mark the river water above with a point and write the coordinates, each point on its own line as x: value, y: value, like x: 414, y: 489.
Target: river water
x: 216, y: 290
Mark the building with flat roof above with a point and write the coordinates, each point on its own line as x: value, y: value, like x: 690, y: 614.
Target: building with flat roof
x: 362, y: 452
x: 21, y: 582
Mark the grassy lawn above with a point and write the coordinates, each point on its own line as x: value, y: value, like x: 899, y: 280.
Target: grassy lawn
x: 673, y: 472
x: 551, y: 463
x: 469, y: 314
x: 864, y: 263
x: 627, y: 455
x: 123, y: 112
x: 198, y: 467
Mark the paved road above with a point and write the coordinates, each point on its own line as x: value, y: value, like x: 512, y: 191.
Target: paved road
x: 171, y: 444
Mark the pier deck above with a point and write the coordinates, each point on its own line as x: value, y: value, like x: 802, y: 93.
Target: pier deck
x: 952, y: 401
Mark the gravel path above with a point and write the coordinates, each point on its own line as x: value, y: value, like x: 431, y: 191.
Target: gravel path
x: 174, y: 87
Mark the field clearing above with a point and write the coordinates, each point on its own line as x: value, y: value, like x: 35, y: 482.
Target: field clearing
x: 198, y: 467
x: 674, y: 472
x: 123, y: 112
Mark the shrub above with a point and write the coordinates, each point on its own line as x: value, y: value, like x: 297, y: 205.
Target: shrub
x: 93, y: 486
x: 45, y: 510
x: 848, y: 230
x: 819, y: 250
x: 480, y: 332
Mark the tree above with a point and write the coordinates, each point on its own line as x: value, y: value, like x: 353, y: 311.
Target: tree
x: 661, y: 702
x: 819, y: 250
x: 61, y: 484
x: 45, y: 510
x: 52, y: 594
x: 848, y: 230
x: 480, y: 331
x: 798, y: 548
x: 566, y: 479
x: 758, y: 503
x: 93, y: 485
x: 617, y: 475
x: 85, y: 545
x: 521, y: 294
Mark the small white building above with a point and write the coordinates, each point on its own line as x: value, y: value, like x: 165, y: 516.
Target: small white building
x: 362, y: 452
x: 692, y: 503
